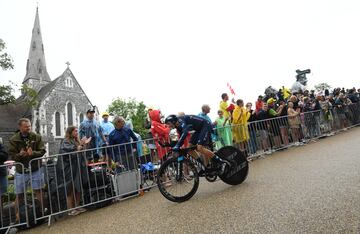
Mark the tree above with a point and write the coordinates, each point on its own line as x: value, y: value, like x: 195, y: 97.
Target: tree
x: 6, y: 62
x: 30, y: 96
x: 6, y: 95
x: 322, y: 86
x: 131, y: 109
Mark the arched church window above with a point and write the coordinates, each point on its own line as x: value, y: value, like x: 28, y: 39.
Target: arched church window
x: 70, y: 114
x: 57, y: 124
x: 81, y: 117
x: 33, y: 45
x: 68, y: 82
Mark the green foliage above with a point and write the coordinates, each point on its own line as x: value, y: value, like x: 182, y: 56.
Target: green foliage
x: 6, y: 62
x: 322, y: 86
x: 10, y: 195
x: 131, y: 109
x: 6, y: 94
x: 31, y: 96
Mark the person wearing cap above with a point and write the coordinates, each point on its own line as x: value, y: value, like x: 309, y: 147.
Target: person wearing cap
x: 90, y: 128
x: 106, y: 125
x: 275, y: 123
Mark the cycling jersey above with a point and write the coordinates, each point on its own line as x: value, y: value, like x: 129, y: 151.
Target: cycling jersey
x: 201, y: 126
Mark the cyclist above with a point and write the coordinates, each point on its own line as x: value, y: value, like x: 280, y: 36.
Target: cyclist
x: 201, y: 137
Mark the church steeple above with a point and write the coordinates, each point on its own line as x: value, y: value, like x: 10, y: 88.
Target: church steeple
x: 36, y: 73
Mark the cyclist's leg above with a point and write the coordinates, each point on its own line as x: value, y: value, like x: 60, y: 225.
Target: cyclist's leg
x: 193, y: 141
x: 203, y: 140
x: 204, y: 151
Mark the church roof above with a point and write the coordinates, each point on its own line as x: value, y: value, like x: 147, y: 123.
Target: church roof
x: 47, y: 89
x: 44, y: 91
x: 36, y: 65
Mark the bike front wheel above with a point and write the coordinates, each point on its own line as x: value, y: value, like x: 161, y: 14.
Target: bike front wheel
x: 178, y: 179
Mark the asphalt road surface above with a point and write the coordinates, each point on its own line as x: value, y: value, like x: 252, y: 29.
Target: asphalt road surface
x: 309, y: 189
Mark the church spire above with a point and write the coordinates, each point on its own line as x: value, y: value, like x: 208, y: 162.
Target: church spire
x: 36, y: 73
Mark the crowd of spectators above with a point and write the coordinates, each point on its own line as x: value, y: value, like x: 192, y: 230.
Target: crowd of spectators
x: 282, y: 118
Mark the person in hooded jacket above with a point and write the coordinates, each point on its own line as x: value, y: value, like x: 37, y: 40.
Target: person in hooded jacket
x: 159, y: 131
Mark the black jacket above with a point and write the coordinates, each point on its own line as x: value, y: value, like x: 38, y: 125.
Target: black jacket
x: 3, y: 158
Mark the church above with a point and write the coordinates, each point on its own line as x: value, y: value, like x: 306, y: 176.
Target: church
x: 61, y: 102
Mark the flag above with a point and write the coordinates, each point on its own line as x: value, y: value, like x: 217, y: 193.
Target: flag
x: 231, y: 89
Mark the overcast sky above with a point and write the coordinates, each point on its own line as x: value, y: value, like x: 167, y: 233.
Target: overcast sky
x: 178, y: 55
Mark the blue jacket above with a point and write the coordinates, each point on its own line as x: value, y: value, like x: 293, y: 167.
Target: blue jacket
x: 122, y: 136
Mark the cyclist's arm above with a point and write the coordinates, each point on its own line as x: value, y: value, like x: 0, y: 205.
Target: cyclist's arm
x: 183, y: 136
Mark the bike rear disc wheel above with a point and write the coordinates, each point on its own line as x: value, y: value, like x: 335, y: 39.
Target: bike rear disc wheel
x: 239, y: 171
x: 175, y: 187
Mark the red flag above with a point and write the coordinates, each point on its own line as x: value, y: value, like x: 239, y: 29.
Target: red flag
x: 231, y: 89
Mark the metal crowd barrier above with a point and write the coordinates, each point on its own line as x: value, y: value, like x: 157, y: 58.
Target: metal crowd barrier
x: 94, y: 178
x: 13, y: 213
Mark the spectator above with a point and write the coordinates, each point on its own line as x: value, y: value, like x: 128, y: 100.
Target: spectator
x: 204, y: 114
x: 274, y: 123
x: 72, y: 169
x: 327, y: 93
x: 263, y: 127
x: 251, y: 128
x: 106, y: 126
x: 160, y: 132
x: 122, y: 151
x: 341, y: 103
x: 308, y: 118
x: 294, y: 122
x: 26, y: 145
x: 331, y: 99
x: 326, y: 111
x: 283, y: 122
x: 3, y: 173
x: 353, y: 96
x: 316, y: 108
x: 240, y: 128
x: 295, y: 102
x: 259, y: 104
x: 223, y: 130
x: 312, y: 94
x: 224, y: 105
x: 205, y: 110
x: 90, y: 128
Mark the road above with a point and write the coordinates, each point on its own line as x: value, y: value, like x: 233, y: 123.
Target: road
x: 309, y: 189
